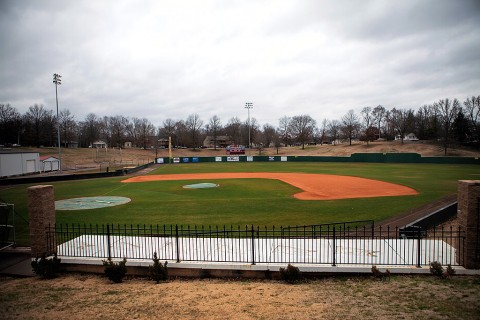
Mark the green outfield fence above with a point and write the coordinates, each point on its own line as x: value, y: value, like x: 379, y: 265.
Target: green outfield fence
x: 356, y: 157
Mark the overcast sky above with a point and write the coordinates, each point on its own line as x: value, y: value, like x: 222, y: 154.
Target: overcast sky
x: 169, y: 59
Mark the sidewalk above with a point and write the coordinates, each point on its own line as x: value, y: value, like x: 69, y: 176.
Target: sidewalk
x: 16, y: 262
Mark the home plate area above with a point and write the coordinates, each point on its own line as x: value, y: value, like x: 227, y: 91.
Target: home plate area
x: 396, y: 252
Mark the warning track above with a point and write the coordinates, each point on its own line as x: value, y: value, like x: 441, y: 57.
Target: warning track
x: 314, y: 186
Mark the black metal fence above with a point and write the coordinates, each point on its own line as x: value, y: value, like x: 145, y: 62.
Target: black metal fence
x: 354, y: 243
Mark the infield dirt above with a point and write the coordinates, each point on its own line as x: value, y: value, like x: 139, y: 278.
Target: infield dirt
x: 314, y: 186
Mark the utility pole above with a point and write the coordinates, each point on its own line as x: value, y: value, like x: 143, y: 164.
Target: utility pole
x: 248, y: 106
x: 57, y: 79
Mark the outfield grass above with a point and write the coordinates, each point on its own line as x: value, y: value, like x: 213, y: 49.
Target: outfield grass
x: 247, y: 201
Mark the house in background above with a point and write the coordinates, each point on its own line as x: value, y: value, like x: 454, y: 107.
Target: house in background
x: 99, y: 144
x: 220, y: 141
x: 49, y: 163
x: 408, y: 137
x: 72, y: 144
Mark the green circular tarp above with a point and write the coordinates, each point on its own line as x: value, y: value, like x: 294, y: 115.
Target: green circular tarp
x: 200, y: 185
x: 86, y: 203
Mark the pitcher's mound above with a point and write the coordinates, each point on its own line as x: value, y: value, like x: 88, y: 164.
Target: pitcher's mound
x: 203, y: 185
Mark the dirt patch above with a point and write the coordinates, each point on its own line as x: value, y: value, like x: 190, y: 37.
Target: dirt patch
x: 314, y: 186
x: 76, y: 296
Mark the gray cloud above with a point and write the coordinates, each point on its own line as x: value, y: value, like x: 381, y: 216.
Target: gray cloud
x: 170, y: 59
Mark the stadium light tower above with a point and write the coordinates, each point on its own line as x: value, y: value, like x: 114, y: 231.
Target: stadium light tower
x: 248, y: 106
x: 57, y: 79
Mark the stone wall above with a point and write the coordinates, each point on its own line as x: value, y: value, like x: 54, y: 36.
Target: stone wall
x: 41, y: 212
x: 468, y: 218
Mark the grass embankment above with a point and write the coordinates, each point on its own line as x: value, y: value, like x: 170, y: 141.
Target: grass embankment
x: 76, y: 296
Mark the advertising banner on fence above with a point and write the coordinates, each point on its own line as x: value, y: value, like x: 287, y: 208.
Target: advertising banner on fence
x: 218, y: 159
x: 233, y: 159
x: 176, y: 160
x: 283, y: 158
x: 250, y: 158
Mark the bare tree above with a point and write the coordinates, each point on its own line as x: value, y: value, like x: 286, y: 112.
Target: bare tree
x: 334, y: 130
x: 323, y: 130
x: 284, y: 130
x: 181, y: 133
x: 472, y: 112
x: 117, y: 126
x: 401, y: 121
x: 255, y: 131
x: 423, y: 119
x: 144, y: 131
x: 269, y: 134
x: 167, y: 130
x: 367, y: 116
x: 215, y: 126
x: 302, y: 128
x: 447, y: 111
x: 194, y: 124
x: 233, y: 129
x: 379, y: 114
x: 350, y: 125
x: 40, y: 125
x: 10, y: 124
x: 68, y: 126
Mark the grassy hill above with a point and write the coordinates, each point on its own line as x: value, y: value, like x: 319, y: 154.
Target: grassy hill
x: 87, y: 158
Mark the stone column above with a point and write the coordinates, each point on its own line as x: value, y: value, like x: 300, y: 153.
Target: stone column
x: 41, y: 212
x: 469, y: 220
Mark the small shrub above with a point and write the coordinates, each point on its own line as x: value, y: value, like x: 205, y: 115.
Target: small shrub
x: 115, y: 271
x: 291, y: 274
x: 158, y: 271
x: 436, y: 268
x: 45, y: 267
x: 449, y: 272
x: 379, y: 274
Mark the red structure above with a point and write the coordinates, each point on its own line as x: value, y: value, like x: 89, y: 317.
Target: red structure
x: 235, y: 149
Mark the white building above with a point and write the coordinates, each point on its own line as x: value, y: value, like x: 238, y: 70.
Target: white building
x: 15, y: 163
x: 49, y: 163
x: 408, y: 137
x: 99, y: 144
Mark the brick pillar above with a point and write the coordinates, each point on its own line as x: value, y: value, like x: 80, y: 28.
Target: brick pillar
x: 469, y: 220
x: 41, y: 212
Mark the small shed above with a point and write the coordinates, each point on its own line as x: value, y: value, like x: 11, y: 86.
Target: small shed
x: 411, y: 137
x: 49, y: 163
x: 16, y: 162
x: 99, y: 144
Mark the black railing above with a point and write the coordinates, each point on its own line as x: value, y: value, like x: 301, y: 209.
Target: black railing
x: 333, y: 244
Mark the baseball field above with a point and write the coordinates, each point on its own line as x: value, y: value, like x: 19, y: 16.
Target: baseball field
x: 254, y: 193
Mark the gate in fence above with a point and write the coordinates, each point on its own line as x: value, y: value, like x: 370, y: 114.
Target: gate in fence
x: 354, y: 243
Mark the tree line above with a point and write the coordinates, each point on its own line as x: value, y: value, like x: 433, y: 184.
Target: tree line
x: 447, y: 121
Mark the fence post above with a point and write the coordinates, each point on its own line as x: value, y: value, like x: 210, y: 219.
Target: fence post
x: 419, y: 230
x: 108, y: 242
x: 334, y: 247
x: 253, y: 246
x: 177, y: 243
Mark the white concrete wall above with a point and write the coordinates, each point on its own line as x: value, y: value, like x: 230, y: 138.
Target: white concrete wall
x: 12, y: 164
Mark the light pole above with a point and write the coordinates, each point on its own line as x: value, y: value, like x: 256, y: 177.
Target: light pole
x: 248, y: 106
x: 57, y: 79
